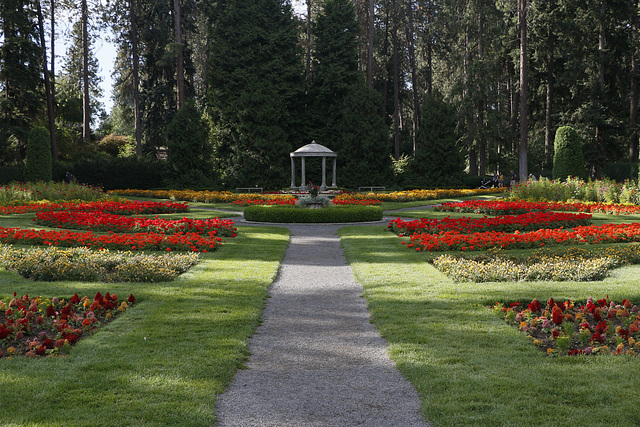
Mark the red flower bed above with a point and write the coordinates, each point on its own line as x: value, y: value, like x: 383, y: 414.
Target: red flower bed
x: 528, y: 221
x: 363, y: 202
x: 270, y: 202
x: 43, y: 327
x: 600, y: 326
x: 137, y: 241
x: 120, y: 208
x: 100, y: 221
x: 453, y: 241
x: 520, y: 207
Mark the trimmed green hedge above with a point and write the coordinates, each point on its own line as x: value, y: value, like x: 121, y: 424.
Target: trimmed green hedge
x: 293, y: 214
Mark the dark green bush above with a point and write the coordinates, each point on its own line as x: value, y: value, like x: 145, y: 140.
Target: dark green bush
x: 619, y: 171
x: 568, y: 159
x: 111, y: 173
x: 11, y: 173
x: 293, y: 214
x: 39, y: 162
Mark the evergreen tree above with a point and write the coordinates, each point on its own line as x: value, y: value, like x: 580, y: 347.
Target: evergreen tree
x: 439, y: 161
x: 255, y: 81
x: 21, y: 99
x: 39, y: 164
x: 188, y: 149
x: 345, y: 112
x: 568, y: 159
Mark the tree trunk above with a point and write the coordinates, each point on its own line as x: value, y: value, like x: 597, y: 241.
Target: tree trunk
x: 396, y: 85
x: 86, y: 106
x: 414, y: 74
x: 633, y: 104
x: 180, y: 55
x: 548, y: 124
x: 371, y: 30
x: 47, y: 85
x: 53, y: 51
x: 308, y: 65
x: 599, y: 136
x: 473, y: 154
x: 136, y: 79
x: 522, y: 163
x: 482, y: 142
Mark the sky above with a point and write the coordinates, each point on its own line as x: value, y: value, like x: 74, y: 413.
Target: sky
x: 105, y: 52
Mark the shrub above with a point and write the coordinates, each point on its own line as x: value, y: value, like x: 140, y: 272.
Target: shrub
x: 39, y: 162
x: 292, y: 214
x: 120, y: 172
x: 117, y: 145
x: 568, y: 159
x: 11, y: 173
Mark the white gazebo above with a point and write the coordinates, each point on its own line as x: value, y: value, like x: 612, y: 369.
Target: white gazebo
x: 313, y: 150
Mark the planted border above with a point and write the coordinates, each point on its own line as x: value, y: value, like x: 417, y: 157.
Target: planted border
x: 286, y: 214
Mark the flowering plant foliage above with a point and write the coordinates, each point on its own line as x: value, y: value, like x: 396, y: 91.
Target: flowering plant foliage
x: 601, y: 326
x: 136, y: 241
x: 119, y: 208
x: 519, y: 207
x: 53, y: 263
x: 50, y: 326
x: 203, y: 196
x: 264, y: 202
x: 100, y: 221
x: 527, y: 221
x: 347, y: 200
x: 591, y: 234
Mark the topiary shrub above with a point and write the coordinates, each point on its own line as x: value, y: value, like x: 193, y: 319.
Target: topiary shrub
x: 293, y: 214
x: 39, y: 163
x: 568, y: 159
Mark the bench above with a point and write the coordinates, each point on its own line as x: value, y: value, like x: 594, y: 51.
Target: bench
x: 249, y: 189
x: 372, y: 188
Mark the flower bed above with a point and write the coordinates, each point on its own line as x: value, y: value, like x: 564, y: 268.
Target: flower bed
x: 521, y: 207
x: 417, y: 195
x: 591, y: 234
x: 348, y: 199
x: 264, y: 202
x: 40, y: 326
x: 568, y: 328
x: 202, y: 196
x: 53, y: 263
x: 117, y: 208
x: 100, y: 221
x: 524, y: 222
x: 136, y: 241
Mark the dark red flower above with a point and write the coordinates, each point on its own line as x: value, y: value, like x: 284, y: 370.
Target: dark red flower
x: 132, y: 299
x: 51, y: 312
x: 556, y: 315
x: 534, y: 306
x: 75, y: 299
x: 48, y: 343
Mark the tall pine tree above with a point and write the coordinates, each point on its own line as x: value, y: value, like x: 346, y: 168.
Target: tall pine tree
x: 255, y: 81
x: 21, y: 99
x: 345, y: 113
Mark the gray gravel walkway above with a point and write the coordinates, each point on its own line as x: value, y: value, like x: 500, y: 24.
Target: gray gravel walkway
x: 316, y: 360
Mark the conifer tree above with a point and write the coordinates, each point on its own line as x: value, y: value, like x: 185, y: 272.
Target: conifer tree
x: 39, y: 161
x: 568, y: 159
x: 439, y: 161
x: 255, y: 81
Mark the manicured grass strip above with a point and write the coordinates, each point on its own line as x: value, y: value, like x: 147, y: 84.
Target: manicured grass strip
x: 471, y: 368
x: 164, y: 361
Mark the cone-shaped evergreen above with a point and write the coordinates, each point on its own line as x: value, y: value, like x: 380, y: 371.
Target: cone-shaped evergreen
x: 256, y: 85
x: 568, y: 159
x: 39, y: 164
x: 189, y: 151
x: 438, y: 161
x: 345, y: 113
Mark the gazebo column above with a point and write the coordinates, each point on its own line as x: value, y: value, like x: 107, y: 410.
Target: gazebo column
x: 324, y: 173
x: 293, y: 172
x: 333, y: 182
x: 304, y: 180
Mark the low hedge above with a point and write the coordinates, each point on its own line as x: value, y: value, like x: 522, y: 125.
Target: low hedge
x: 294, y: 214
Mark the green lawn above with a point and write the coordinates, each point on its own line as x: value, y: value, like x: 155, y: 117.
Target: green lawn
x: 164, y: 361
x: 471, y: 368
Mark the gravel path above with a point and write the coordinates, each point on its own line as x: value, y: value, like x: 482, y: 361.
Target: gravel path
x: 316, y: 360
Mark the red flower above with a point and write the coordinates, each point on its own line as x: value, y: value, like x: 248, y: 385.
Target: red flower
x: 132, y: 299
x: 534, y: 306
x: 556, y: 315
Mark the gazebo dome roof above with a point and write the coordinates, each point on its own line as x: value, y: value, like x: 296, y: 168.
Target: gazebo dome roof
x: 313, y: 150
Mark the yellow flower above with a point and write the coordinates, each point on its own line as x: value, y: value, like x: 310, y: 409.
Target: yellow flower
x: 537, y: 342
x: 550, y: 351
x: 11, y: 351
x: 632, y: 341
